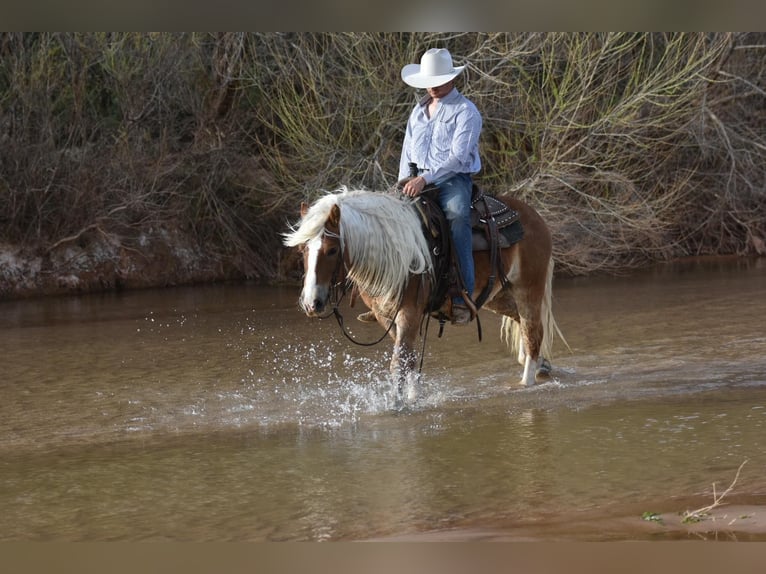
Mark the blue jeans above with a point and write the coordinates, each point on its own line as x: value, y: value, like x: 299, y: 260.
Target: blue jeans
x: 455, y: 201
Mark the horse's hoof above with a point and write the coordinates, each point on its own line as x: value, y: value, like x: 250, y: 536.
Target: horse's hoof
x: 367, y: 317
x: 411, y: 394
x: 400, y: 397
x: 523, y: 384
x: 545, y: 368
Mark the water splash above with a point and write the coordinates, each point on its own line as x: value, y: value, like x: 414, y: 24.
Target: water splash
x: 316, y: 385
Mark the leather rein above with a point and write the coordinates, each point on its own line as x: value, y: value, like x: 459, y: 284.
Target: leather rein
x: 339, y: 286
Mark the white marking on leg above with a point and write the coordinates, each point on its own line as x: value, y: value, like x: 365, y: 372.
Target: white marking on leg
x: 530, y: 367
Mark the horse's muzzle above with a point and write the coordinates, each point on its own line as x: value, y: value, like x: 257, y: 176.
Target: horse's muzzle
x: 314, y: 304
x: 314, y: 309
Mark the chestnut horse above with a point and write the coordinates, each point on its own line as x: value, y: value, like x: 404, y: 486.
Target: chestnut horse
x: 375, y: 240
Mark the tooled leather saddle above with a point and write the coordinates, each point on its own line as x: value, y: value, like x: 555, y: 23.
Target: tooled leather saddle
x: 495, y: 226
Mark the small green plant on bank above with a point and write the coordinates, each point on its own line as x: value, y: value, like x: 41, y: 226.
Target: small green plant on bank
x: 700, y: 514
x: 652, y: 517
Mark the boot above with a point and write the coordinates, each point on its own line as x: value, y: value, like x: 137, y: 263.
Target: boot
x: 461, y: 315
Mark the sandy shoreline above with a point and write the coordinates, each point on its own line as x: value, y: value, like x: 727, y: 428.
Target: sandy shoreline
x: 736, y: 522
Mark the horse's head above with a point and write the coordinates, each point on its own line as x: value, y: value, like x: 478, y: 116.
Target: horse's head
x: 322, y: 263
x: 374, y: 240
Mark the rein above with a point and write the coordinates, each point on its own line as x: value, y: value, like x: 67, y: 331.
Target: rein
x: 340, y: 284
x: 350, y: 337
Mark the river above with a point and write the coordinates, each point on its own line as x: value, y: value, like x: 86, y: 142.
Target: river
x: 221, y: 413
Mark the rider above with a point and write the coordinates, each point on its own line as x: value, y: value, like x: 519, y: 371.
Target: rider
x: 442, y: 138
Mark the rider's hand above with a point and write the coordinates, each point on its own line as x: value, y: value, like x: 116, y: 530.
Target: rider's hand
x: 414, y: 186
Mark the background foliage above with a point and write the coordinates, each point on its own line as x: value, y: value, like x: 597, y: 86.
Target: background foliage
x: 635, y: 147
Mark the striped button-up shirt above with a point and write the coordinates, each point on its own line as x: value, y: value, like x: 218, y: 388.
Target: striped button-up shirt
x: 446, y: 143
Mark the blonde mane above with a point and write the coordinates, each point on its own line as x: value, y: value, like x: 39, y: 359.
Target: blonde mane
x: 380, y: 234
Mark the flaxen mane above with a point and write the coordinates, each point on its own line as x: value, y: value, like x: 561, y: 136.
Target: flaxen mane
x: 380, y: 235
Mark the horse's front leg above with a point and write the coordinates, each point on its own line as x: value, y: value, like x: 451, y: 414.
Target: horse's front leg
x: 404, y: 358
x: 402, y: 365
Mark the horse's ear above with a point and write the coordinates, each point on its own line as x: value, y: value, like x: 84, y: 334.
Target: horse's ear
x: 334, y: 218
x: 304, y: 208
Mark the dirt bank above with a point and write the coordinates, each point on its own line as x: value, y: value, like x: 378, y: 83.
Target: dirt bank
x: 95, y: 262
x: 742, y: 522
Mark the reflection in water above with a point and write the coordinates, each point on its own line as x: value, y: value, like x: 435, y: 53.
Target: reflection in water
x: 221, y: 413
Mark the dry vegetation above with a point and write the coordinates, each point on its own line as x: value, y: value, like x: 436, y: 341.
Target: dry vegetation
x: 636, y: 147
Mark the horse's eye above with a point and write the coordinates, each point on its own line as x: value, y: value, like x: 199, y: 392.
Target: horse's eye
x: 332, y: 252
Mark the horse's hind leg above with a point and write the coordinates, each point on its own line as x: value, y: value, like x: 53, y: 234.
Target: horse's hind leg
x: 523, y: 335
x: 531, y: 341
x: 517, y: 334
x: 522, y: 355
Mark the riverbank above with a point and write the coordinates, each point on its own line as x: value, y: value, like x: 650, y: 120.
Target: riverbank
x: 96, y: 262
x: 736, y: 522
x: 111, y: 140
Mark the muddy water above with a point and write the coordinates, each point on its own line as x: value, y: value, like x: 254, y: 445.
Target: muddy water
x: 221, y: 413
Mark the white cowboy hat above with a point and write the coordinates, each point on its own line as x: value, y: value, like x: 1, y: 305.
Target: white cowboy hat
x: 435, y: 69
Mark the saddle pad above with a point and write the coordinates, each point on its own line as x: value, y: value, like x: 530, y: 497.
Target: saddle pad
x: 507, y: 236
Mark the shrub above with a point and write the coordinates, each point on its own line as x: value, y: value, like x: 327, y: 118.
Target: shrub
x: 635, y: 147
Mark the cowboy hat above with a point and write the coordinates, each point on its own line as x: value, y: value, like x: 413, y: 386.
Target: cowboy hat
x: 435, y: 69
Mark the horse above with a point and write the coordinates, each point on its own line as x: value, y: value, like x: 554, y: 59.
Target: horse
x: 375, y: 242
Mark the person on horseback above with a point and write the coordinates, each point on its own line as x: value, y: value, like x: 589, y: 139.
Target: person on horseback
x: 442, y: 138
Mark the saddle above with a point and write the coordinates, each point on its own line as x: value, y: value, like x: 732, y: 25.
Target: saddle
x: 495, y: 226
x: 488, y: 212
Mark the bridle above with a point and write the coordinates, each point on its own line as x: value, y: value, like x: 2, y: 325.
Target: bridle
x: 339, y: 286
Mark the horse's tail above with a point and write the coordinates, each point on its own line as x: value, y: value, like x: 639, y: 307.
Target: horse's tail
x: 511, y: 329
